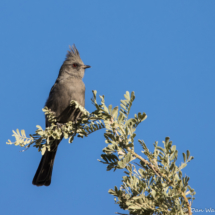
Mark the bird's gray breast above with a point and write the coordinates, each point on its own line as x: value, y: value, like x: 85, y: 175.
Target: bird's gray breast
x: 63, y: 92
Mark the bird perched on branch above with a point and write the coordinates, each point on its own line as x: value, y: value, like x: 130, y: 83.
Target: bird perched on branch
x: 68, y: 86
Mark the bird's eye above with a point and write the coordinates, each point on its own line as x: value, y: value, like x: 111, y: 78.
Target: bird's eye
x: 74, y: 65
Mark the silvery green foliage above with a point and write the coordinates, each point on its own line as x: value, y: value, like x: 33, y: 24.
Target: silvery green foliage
x: 153, y: 183
x: 43, y: 139
x: 156, y: 190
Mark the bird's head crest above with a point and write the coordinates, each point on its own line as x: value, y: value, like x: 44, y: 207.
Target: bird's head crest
x: 73, y: 55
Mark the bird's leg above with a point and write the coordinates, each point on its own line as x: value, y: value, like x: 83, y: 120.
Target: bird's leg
x: 59, y: 125
x: 78, y: 118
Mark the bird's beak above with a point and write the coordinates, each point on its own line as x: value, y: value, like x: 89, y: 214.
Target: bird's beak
x: 86, y: 66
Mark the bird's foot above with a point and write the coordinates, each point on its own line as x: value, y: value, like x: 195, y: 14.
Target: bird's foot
x: 59, y: 125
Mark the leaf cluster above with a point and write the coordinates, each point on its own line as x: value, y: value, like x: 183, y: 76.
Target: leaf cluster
x: 153, y: 183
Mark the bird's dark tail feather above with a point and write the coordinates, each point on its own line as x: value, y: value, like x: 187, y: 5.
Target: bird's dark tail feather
x: 44, y: 171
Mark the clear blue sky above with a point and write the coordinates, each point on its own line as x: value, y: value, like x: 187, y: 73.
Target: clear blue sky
x: 162, y: 50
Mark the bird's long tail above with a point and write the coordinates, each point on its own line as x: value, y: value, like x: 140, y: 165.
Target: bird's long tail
x: 44, y: 171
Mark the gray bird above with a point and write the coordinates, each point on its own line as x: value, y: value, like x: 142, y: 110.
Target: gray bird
x: 68, y: 86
